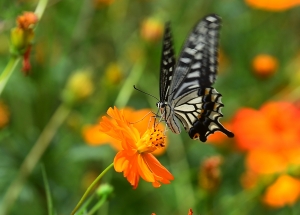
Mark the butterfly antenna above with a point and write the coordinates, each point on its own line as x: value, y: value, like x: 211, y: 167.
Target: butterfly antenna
x: 142, y: 118
x: 145, y: 93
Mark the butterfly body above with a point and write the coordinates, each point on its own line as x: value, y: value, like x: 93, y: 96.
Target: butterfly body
x: 186, y: 94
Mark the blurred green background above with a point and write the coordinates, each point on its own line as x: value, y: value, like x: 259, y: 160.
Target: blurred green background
x: 110, y: 39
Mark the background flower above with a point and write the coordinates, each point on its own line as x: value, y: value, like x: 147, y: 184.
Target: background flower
x: 271, y: 139
x: 105, y: 36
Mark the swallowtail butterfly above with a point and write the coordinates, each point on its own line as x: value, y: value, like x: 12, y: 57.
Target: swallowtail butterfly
x: 186, y: 92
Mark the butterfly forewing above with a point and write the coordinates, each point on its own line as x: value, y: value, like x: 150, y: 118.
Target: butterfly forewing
x: 198, y: 61
x: 185, y: 90
x: 167, y: 64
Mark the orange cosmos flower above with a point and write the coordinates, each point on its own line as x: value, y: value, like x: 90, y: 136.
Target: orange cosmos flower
x: 274, y: 5
x: 271, y: 138
x: 274, y: 126
x: 264, y: 65
x: 135, y: 159
x: 94, y: 137
x: 285, y: 191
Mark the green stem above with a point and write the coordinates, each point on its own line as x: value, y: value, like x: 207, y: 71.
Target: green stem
x: 98, y: 205
x: 90, y: 188
x: 180, y: 166
x: 5, y: 75
x: 85, y: 205
x: 40, y: 8
x: 127, y: 88
x: 33, y: 157
x: 48, y: 193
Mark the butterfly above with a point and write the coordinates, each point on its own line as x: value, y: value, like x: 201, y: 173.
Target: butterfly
x: 186, y: 92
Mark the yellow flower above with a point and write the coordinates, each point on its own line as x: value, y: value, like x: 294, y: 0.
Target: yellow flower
x: 135, y: 159
x: 114, y: 73
x: 79, y: 87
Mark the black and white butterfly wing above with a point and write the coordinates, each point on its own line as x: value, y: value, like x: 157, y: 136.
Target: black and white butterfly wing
x: 198, y: 61
x: 167, y: 64
x: 191, y: 99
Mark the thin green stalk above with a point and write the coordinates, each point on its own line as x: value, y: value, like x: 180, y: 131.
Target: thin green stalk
x: 179, y: 165
x: 87, y: 192
x: 40, y: 8
x: 127, y: 88
x: 86, y: 203
x: 33, y: 157
x: 8, y: 70
x: 48, y: 192
x: 98, y: 205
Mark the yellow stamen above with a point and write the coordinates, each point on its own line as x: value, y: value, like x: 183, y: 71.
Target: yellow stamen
x: 151, y: 140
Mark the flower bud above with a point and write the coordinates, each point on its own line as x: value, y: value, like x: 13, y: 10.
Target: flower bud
x: 104, y: 189
x: 27, y: 20
x: 17, y: 38
x: 79, y: 87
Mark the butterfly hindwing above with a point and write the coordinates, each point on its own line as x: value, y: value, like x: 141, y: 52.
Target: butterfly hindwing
x: 186, y: 94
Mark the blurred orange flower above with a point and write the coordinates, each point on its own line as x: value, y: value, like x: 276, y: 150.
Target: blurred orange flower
x: 135, y: 159
x: 210, y: 173
x: 271, y: 138
x: 274, y: 5
x: 102, y: 3
x: 285, y: 191
x: 190, y: 212
x: 274, y: 126
x: 4, y: 114
x: 264, y: 65
x: 152, y: 29
x: 141, y: 119
x: 27, y: 20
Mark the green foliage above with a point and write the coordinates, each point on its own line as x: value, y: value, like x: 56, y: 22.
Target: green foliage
x: 79, y: 35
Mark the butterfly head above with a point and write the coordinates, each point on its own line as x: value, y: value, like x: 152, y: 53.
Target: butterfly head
x: 161, y: 105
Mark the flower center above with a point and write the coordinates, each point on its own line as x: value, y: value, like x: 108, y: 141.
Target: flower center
x: 151, y: 140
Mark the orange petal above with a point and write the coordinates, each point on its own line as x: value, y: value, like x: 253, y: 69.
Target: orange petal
x: 248, y: 136
x: 274, y: 5
x: 120, y: 161
x: 265, y: 161
x: 159, y: 171
x: 93, y: 136
x: 144, y: 170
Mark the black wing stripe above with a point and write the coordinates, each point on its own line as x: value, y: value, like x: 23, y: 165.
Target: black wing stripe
x: 167, y: 63
x: 198, y: 54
